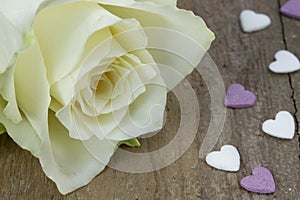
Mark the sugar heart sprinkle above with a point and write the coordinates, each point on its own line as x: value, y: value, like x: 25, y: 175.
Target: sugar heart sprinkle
x: 252, y: 21
x: 286, y: 62
x: 261, y: 181
x: 282, y: 127
x: 228, y: 159
x: 291, y: 9
x: 238, y: 97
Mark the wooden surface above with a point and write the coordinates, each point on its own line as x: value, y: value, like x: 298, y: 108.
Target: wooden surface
x: 241, y: 58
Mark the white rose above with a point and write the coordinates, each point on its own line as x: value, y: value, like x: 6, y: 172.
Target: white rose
x: 82, y: 76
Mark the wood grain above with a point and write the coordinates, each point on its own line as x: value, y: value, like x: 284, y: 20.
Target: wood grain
x: 241, y: 58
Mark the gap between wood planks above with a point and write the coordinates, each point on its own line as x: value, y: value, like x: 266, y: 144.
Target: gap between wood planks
x: 290, y: 79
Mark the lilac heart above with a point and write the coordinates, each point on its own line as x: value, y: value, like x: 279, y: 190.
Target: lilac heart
x: 238, y: 97
x: 291, y: 9
x: 260, y: 182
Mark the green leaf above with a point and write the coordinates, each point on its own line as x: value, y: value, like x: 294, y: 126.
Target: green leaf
x: 132, y: 142
x: 2, y: 129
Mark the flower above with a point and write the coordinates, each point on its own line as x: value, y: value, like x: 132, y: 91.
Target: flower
x: 79, y: 77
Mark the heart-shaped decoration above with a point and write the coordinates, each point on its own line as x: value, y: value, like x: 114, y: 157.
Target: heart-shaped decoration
x: 286, y: 62
x: 251, y: 21
x: 228, y: 159
x: 282, y: 127
x: 238, y: 97
x: 291, y: 9
x: 261, y: 181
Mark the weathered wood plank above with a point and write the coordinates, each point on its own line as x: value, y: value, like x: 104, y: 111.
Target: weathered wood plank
x: 291, y: 34
x: 244, y: 58
x: 291, y: 29
x: 241, y: 58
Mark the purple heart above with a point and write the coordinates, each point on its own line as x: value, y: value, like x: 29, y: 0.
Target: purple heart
x: 238, y: 97
x: 291, y: 9
x: 260, y: 182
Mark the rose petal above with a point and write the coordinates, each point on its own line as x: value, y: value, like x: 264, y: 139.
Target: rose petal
x: 22, y: 133
x: 7, y: 91
x: 76, y: 162
x: 66, y: 161
x: 33, y: 94
x: 106, y: 47
x: 63, y: 90
x: 178, y: 38
x: 83, y: 127
x: 78, y: 129
x: 15, y: 34
x: 140, y: 121
x: 10, y: 40
x: 63, y: 51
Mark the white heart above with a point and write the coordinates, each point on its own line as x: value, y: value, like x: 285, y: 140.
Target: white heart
x: 251, y: 21
x: 282, y: 127
x: 286, y: 62
x: 228, y: 159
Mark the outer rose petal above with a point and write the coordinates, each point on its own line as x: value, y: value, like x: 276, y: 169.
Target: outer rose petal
x: 15, y: 21
x: 74, y: 165
x: 159, y: 16
x: 178, y: 38
x: 22, y: 133
x: 32, y: 88
x: 64, y: 160
x: 7, y: 91
x: 11, y: 41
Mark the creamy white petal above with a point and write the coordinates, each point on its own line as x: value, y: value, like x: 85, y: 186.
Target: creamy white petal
x: 145, y: 114
x: 108, y: 122
x: 76, y: 162
x: 64, y: 90
x: 177, y: 38
x: 7, y: 91
x: 77, y: 129
x: 152, y: 15
x: 32, y: 88
x: 81, y: 126
x: 22, y: 133
x: 20, y: 13
x: 11, y: 41
x: 69, y: 163
x: 55, y: 105
x: 128, y: 36
x: 144, y: 64
x: 16, y: 19
x: 63, y: 51
x: 132, y: 87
